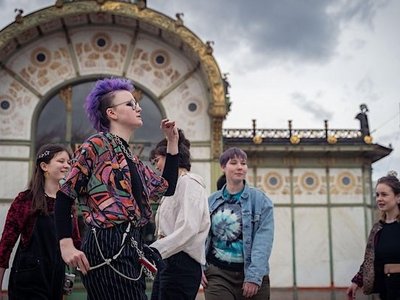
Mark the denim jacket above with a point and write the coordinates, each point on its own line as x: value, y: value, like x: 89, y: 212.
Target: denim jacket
x: 258, y: 231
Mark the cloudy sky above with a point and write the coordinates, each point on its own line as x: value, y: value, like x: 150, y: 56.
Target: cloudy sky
x: 300, y: 60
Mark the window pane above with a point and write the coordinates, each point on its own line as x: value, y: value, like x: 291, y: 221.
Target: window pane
x: 51, y: 123
x: 81, y: 128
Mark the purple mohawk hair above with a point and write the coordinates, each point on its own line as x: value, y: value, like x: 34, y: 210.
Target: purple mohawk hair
x: 100, y: 98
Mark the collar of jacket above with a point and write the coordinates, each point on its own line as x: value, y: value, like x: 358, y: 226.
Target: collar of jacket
x: 244, y: 196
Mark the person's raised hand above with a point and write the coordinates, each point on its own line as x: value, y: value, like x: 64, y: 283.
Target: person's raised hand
x: 169, y: 129
x: 171, y: 134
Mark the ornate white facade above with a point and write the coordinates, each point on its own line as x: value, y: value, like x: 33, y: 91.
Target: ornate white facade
x: 323, y: 208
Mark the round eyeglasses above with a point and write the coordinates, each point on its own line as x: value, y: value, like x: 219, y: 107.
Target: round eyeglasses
x: 132, y: 103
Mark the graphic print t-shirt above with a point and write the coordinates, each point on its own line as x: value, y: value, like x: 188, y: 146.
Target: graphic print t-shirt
x: 226, y: 229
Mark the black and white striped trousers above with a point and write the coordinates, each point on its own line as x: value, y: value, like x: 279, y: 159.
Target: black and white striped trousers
x: 105, y: 283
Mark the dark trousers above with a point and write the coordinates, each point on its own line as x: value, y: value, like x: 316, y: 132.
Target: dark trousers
x: 391, y: 287
x: 227, y: 285
x: 104, y: 283
x: 179, y: 280
x: 38, y: 270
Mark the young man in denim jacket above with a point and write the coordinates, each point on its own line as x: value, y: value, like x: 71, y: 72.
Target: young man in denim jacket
x: 240, y: 240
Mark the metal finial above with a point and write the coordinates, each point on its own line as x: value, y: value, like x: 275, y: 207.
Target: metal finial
x: 179, y: 20
x: 209, y: 49
x: 19, y: 17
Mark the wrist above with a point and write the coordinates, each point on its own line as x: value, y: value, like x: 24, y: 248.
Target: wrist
x: 172, y: 149
x: 66, y: 242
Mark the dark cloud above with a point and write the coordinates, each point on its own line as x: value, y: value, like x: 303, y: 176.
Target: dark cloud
x: 311, y: 107
x: 270, y: 30
x: 362, y: 11
x: 263, y: 31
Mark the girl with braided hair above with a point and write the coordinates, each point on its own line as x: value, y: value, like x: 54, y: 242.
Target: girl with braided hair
x: 380, y: 270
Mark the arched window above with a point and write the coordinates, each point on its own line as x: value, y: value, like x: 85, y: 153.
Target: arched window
x: 63, y: 120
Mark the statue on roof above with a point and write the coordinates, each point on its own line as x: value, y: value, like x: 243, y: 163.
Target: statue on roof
x: 363, y: 118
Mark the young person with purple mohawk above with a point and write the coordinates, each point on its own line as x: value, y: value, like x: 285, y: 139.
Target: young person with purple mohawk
x: 113, y: 188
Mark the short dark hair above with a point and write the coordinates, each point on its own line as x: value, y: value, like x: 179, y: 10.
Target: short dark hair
x: 231, y: 153
x: 183, y: 147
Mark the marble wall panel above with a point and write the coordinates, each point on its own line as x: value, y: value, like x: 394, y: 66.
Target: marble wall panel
x: 281, y: 261
x: 348, y: 243
x: 199, y: 152
x: 312, y: 247
x: 204, y: 170
x: 14, y: 177
x: 14, y: 151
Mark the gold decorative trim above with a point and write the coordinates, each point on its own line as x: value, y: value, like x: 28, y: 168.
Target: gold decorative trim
x: 66, y: 96
x: 368, y: 139
x: 295, y: 139
x: 218, y: 107
x: 217, y: 137
x: 332, y: 139
x: 257, y: 139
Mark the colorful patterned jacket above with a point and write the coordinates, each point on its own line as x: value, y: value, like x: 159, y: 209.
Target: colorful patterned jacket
x: 101, y: 180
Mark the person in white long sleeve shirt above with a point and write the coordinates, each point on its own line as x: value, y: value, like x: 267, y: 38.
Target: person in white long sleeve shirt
x: 182, y: 226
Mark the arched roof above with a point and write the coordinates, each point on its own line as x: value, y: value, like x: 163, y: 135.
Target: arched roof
x: 64, y: 15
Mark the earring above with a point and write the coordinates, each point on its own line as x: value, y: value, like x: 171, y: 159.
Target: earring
x: 46, y: 174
